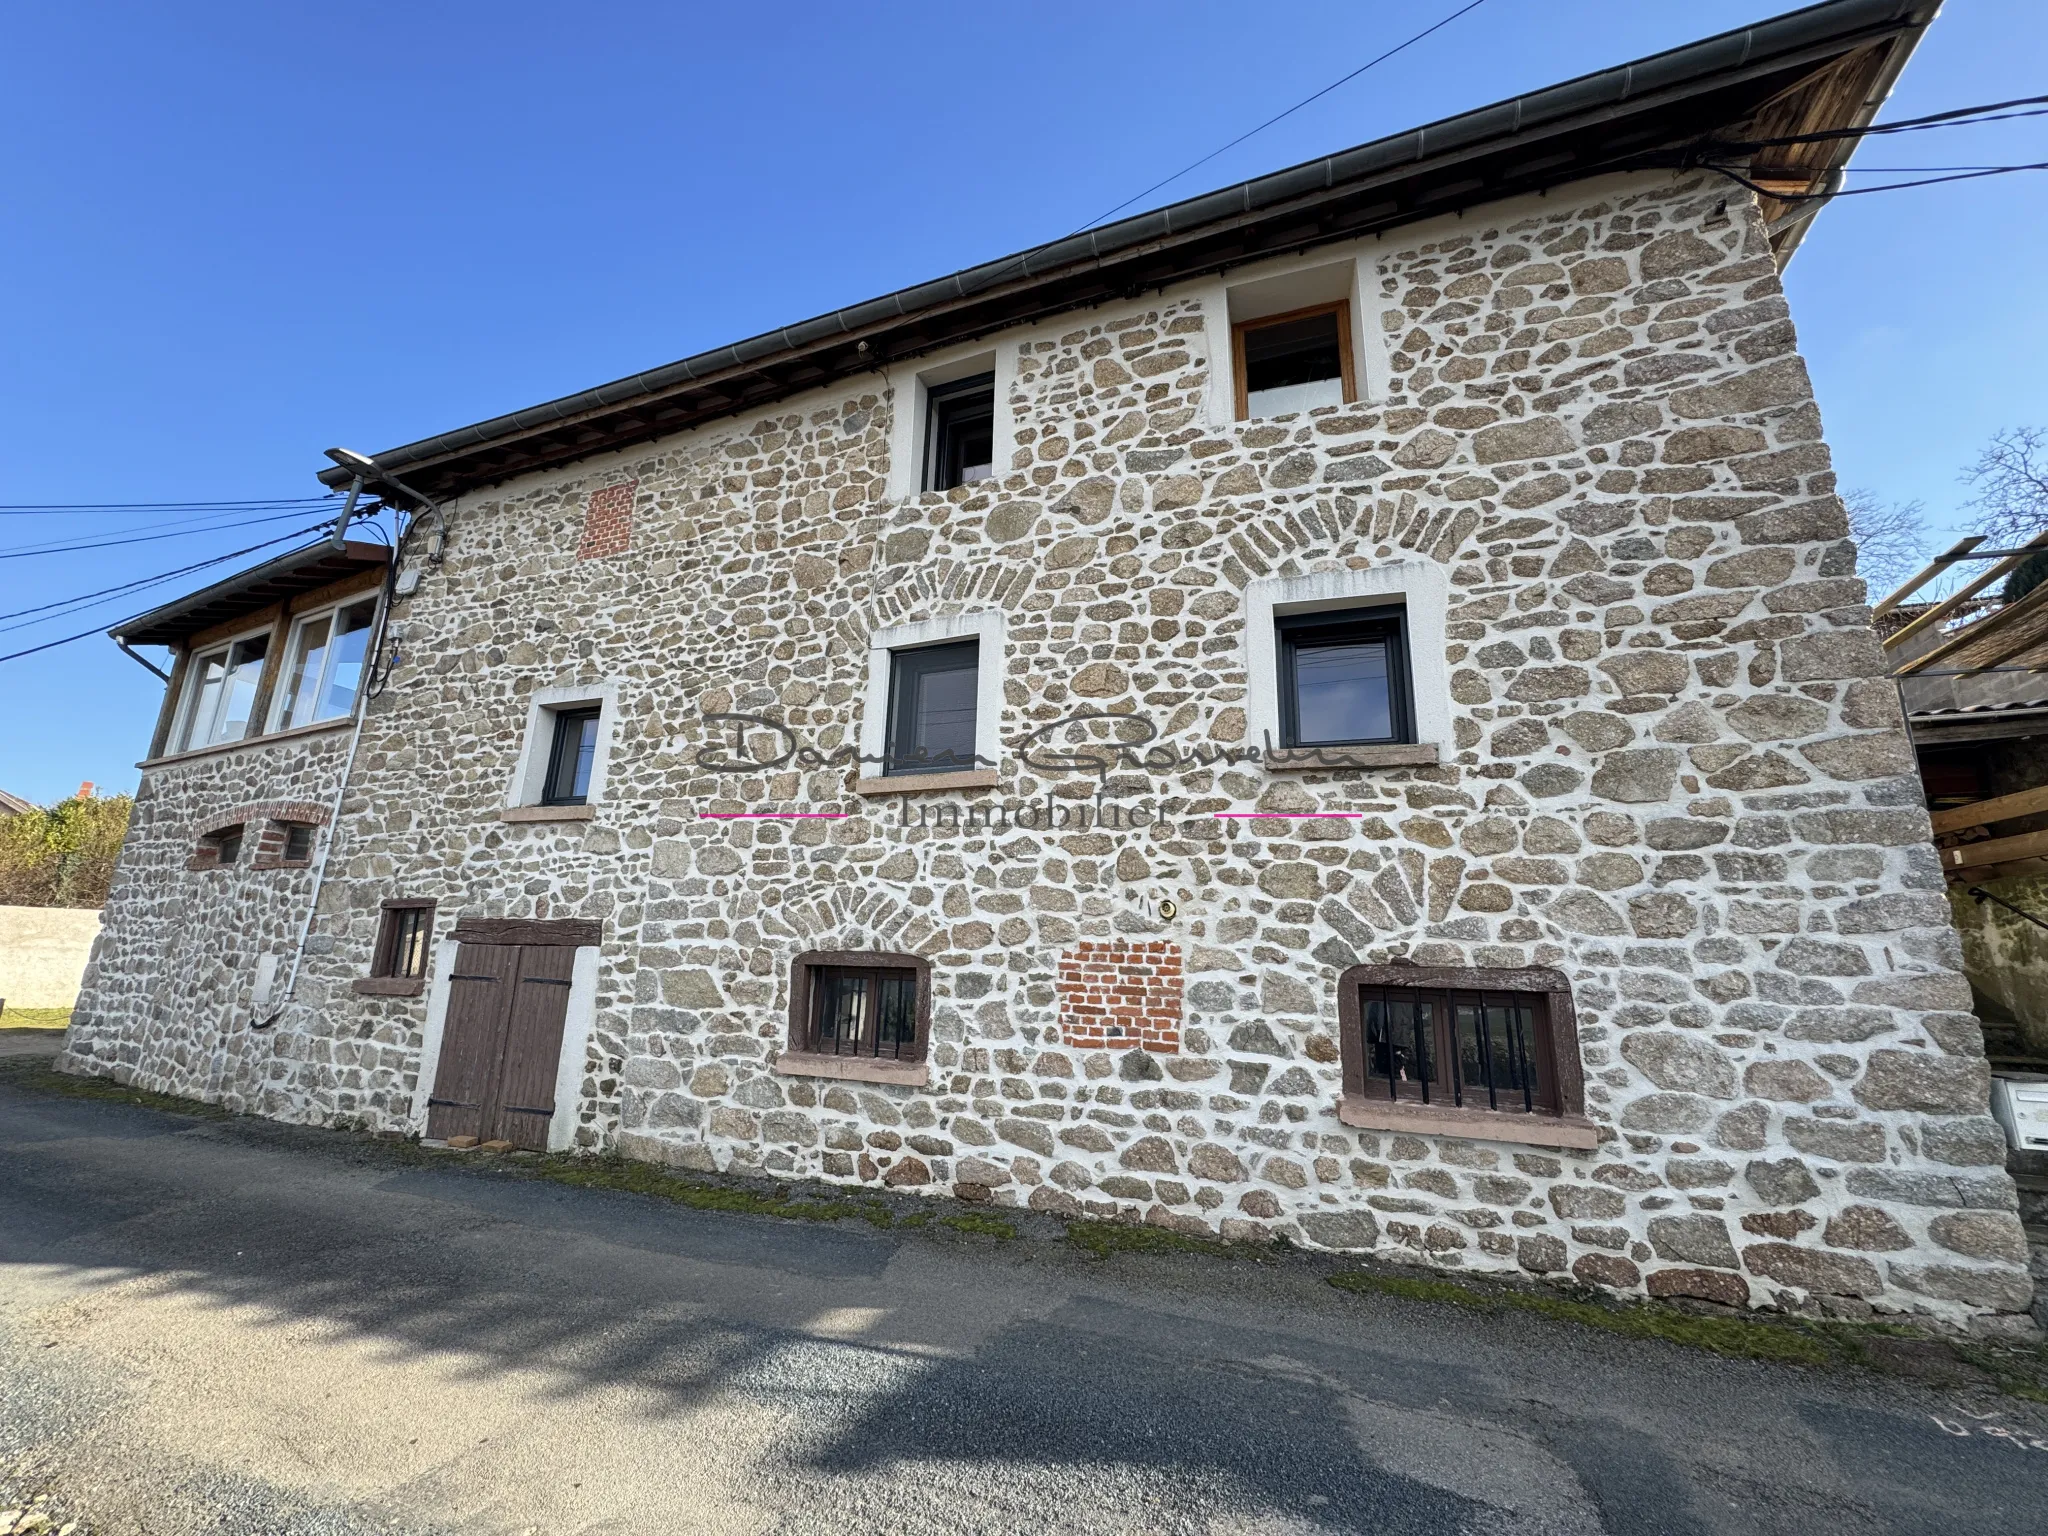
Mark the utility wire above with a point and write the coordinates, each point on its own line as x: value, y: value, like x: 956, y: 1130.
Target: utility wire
x: 89, y: 538
x: 1894, y: 186
x: 84, y: 600
x: 1952, y: 119
x: 24, y: 552
x: 56, y: 507
x: 1269, y: 122
x: 87, y: 634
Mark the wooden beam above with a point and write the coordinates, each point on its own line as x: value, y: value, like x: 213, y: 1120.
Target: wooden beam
x: 1997, y: 850
x: 1989, y: 625
x: 1981, y: 813
x: 2011, y: 870
x: 1932, y: 569
x: 1950, y: 604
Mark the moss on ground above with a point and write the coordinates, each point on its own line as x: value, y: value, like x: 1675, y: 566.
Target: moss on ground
x: 1102, y: 1238
x: 628, y: 1176
x: 33, y: 1074
x: 980, y: 1224
x: 35, y: 1018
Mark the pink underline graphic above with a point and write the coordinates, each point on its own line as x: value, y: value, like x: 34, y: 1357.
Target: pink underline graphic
x: 772, y: 815
x: 1291, y: 815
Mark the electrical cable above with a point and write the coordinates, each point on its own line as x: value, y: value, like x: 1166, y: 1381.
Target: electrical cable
x: 56, y: 507
x: 1951, y: 119
x: 25, y: 551
x: 88, y: 538
x: 1896, y: 186
x: 1269, y: 122
x: 96, y: 630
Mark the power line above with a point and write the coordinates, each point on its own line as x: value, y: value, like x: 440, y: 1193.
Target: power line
x: 1950, y: 119
x: 87, y: 634
x: 24, y: 551
x: 1895, y: 186
x: 108, y: 594
x: 57, y: 507
x: 1269, y: 122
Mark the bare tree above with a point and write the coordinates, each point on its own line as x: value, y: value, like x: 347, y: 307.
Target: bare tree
x: 1891, y: 539
x: 2011, y: 477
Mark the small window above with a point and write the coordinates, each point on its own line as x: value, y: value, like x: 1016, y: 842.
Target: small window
x: 571, y: 757
x: 960, y: 432
x: 221, y: 692
x: 931, y: 709
x: 1458, y: 1041
x: 1294, y: 362
x: 1344, y: 678
x: 403, y: 940
x: 871, y: 1006
x: 298, y: 842
x: 226, y: 845
x: 325, y: 669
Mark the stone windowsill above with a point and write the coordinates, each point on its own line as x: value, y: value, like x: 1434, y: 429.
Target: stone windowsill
x: 854, y: 1069
x: 1477, y: 1124
x: 1395, y: 754
x: 531, y: 813
x: 388, y: 986
x: 928, y: 783
x: 222, y: 748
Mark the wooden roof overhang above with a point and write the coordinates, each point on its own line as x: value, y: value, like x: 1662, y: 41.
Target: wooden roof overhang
x: 1823, y: 69
x: 251, y: 591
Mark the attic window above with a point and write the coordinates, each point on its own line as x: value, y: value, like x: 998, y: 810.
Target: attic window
x: 1294, y: 362
x: 960, y: 432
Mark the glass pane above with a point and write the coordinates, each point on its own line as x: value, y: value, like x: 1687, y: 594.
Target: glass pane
x: 1283, y: 357
x: 898, y: 1032
x: 1342, y: 692
x: 1509, y: 1032
x: 844, y: 1012
x: 1472, y: 1078
x: 409, y: 951
x: 585, y: 748
x: 230, y: 844
x: 345, y: 668
x: 209, y: 673
x: 945, y: 717
x: 1293, y: 397
x: 245, y: 671
x: 1400, y: 1042
x: 309, y: 656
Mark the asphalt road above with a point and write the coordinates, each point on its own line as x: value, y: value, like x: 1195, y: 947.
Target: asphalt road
x: 231, y: 1326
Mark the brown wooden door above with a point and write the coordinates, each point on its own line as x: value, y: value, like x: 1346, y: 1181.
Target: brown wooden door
x: 525, y: 1100
x: 501, y: 1043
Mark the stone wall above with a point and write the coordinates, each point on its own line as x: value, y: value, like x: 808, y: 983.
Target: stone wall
x: 169, y: 998
x: 1677, y: 774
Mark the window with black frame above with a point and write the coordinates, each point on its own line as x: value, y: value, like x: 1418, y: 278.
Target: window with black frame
x: 960, y: 432
x: 864, y: 1011
x: 931, y: 721
x: 1459, y: 1049
x: 571, y: 756
x: 1344, y: 678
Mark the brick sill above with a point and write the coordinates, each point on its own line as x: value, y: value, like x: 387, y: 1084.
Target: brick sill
x: 1396, y: 754
x: 388, y: 986
x: 541, y: 813
x: 854, y: 1069
x: 1478, y: 1124
x: 929, y: 783
x: 222, y: 748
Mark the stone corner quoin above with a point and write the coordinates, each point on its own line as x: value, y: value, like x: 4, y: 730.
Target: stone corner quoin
x: 1676, y: 773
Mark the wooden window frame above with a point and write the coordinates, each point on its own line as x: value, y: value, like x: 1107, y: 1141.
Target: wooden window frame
x: 558, y: 734
x: 286, y: 660
x: 801, y: 1058
x: 384, y: 979
x: 1372, y: 1104
x: 188, y: 706
x: 1400, y: 682
x: 1347, y: 368
x: 939, y: 407
x: 900, y: 719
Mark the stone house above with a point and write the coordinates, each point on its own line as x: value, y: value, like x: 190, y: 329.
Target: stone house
x: 1338, y: 709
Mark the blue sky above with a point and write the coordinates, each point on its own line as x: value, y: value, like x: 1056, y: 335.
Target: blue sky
x: 239, y: 234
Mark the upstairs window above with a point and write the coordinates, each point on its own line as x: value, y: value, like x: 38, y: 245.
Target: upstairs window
x: 1294, y: 362
x: 324, y: 672
x: 932, y: 709
x: 220, y: 692
x: 571, y: 757
x: 1344, y: 678
x: 960, y: 426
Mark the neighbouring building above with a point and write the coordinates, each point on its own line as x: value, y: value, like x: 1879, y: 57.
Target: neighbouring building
x: 1338, y: 709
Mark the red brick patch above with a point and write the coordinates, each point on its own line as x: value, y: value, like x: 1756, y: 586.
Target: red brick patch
x: 608, y: 522
x: 1117, y: 995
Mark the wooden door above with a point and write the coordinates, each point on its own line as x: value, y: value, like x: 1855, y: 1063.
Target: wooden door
x: 525, y: 1097
x: 501, y: 1043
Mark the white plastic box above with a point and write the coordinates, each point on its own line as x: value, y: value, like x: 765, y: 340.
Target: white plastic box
x: 2020, y: 1101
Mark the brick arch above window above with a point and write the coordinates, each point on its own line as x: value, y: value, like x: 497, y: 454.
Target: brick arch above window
x: 1489, y: 1053
x: 304, y: 812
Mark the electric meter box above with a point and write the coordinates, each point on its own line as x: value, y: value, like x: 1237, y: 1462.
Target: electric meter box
x: 2020, y: 1101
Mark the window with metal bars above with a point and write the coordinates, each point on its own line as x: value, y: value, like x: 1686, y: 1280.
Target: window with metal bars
x: 872, y: 1006
x: 1438, y: 1040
